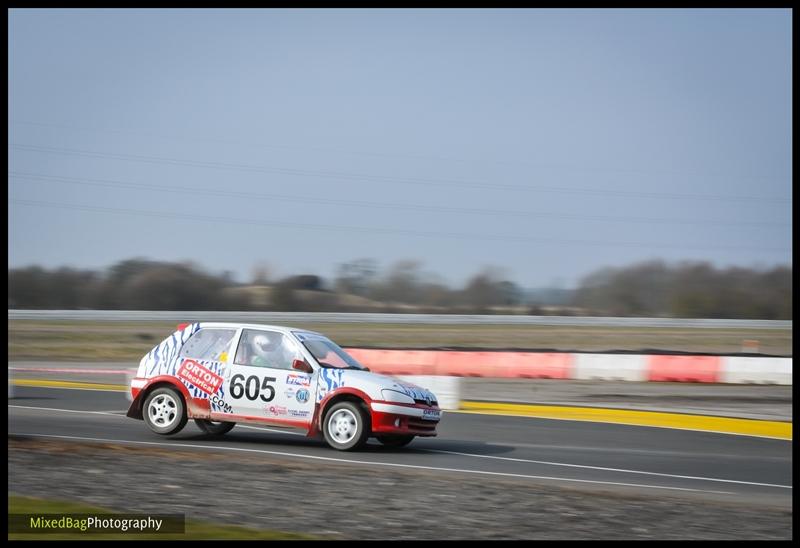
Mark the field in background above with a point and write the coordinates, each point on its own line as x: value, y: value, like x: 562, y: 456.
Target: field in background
x: 112, y: 341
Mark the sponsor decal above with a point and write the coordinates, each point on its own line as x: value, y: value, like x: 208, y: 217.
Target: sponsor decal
x: 197, y: 375
x: 302, y: 395
x: 275, y: 410
x: 431, y: 414
x: 298, y: 380
x: 290, y: 393
x: 219, y: 402
x: 298, y: 413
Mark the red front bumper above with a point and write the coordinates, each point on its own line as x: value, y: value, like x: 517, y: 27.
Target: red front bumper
x: 407, y: 420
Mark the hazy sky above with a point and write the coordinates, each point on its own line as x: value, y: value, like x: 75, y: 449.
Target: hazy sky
x: 548, y: 142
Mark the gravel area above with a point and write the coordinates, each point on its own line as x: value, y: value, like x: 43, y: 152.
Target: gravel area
x: 345, y: 502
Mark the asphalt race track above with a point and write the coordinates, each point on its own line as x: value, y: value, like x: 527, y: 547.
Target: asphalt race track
x: 645, y: 461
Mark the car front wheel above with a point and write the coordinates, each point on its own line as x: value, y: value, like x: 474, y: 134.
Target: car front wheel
x: 164, y: 411
x: 346, y: 426
x: 214, y: 428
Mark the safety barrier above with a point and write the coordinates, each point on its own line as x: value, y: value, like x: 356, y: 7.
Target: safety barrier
x: 547, y: 365
x: 745, y: 370
x: 684, y: 368
x: 578, y: 366
x: 610, y: 367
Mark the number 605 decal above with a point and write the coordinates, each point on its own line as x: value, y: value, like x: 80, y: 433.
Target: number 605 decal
x: 250, y: 388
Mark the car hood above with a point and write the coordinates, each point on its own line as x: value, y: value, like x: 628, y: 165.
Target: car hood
x: 371, y: 383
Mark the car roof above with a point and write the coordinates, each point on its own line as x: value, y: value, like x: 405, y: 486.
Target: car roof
x: 280, y: 328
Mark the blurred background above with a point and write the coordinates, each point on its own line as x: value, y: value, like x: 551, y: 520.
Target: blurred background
x: 613, y: 162
x: 585, y: 183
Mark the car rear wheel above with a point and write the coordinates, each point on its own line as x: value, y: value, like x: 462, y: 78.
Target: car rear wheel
x: 214, y: 428
x: 164, y: 411
x: 345, y: 426
x: 394, y: 440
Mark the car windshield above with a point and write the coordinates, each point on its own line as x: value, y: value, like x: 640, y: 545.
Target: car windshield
x: 327, y: 352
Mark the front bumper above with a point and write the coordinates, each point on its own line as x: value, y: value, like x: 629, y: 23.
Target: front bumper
x: 417, y: 420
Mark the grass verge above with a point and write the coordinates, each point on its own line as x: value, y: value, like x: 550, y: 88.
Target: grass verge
x: 129, y: 341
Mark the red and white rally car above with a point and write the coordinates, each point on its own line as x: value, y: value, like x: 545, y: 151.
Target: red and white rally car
x: 222, y: 373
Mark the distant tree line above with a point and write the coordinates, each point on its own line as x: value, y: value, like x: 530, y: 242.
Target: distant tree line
x: 688, y: 290
x: 693, y: 290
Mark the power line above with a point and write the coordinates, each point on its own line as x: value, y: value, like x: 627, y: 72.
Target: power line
x: 593, y: 169
x: 381, y: 178
x: 378, y: 205
x: 376, y: 230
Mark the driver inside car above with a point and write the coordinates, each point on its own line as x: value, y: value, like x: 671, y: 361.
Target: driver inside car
x: 266, y: 349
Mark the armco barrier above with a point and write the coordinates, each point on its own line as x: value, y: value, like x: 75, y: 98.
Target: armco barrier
x: 610, y: 367
x: 755, y: 370
x: 684, y: 368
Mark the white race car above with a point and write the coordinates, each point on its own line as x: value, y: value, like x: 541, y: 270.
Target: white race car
x: 222, y: 373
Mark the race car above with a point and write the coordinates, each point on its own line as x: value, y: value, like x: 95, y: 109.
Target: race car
x: 222, y: 373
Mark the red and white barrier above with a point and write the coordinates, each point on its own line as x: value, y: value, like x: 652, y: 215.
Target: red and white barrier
x: 746, y: 370
x: 579, y: 366
x: 610, y: 367
x: 548, y: 365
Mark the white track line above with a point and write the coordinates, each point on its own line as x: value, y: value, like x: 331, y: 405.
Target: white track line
x: 69, y: 410
x: 122, y: 414
x: 567, y: 465
x: 372, y: 463
x: 622, y: 470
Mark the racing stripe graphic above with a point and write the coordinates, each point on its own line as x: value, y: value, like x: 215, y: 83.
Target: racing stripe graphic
x: 162, y: 359
x: 331, y: 380
x: 413, y: 392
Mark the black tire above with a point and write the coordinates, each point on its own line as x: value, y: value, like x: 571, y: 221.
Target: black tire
x: 394, y: 440
x: 346, y: 426
x: 164, y: 411
x: 213, y: 428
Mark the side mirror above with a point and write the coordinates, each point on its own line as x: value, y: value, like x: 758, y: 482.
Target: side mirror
x: 302, y: 365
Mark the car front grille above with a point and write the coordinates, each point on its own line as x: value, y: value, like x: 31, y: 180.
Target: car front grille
x: 419, y: 424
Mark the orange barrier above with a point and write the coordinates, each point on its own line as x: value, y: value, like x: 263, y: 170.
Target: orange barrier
x: 684, y: 368
x: 531, y: 365
x: 396, y: 362
x: 468, y: 364
x: 537, y: 365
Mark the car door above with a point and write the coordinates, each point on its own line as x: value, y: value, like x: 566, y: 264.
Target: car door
x: 262, y: 386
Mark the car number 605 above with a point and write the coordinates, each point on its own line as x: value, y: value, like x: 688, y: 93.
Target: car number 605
x: 250, y: 388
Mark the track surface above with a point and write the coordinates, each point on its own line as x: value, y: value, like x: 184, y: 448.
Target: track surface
x: 654, y: 462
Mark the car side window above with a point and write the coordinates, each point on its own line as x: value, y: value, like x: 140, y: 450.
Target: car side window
x: 260, y: 348
x: 209, y: 344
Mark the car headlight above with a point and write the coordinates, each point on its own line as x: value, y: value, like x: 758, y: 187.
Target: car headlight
x: 395, y: 396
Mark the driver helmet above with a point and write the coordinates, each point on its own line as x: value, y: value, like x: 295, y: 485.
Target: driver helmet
x: 263, y: 344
